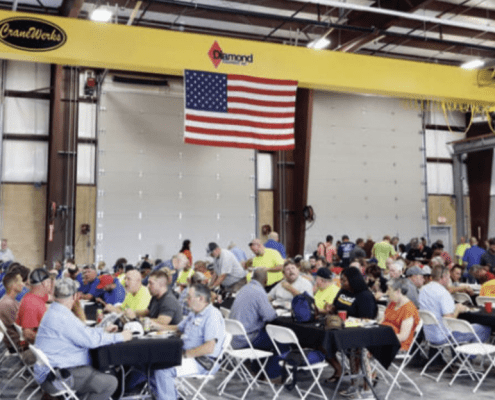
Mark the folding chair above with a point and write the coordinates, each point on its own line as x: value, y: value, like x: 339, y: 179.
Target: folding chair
x: 462, y: 298
x: 428, y: 318
x: 481, y: 300
x: 24, y: 367
x: 282, y: 335
x: 381, y: 312
x: 405, y: 360
x: 186, y: 388
x: 225, y: 312
x: 468, y: 350
x: 66, y: 391
x: 239, y: 356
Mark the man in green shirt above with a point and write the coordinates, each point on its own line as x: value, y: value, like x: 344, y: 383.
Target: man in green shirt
x: 268, y: 258
x: 383, y: 250
x: 138, y: 297
x: 326, y: 290
x: 460, y: 250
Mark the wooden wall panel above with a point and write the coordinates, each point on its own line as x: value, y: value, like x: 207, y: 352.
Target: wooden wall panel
x: 265, y: 210
x: 23, y: 221
x: 444, y: 206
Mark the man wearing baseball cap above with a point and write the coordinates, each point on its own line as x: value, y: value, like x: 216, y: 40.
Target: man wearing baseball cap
x: 66, y: 341
x: 227, y: 271
x: 33, y: 305
x: 415, y: 280
x: 110, y: 290
x: 326, y: 290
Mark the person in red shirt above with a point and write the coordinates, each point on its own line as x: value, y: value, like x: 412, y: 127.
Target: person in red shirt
x: 481, y: 274
x: 33, y: 304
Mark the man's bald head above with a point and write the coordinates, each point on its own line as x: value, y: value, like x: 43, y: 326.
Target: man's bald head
x: 260, y: 274
x: 133, y: 281
x: 257, y: 247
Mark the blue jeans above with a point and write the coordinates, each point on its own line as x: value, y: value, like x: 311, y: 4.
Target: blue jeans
x: 482, y: 331
x: 163, y: 381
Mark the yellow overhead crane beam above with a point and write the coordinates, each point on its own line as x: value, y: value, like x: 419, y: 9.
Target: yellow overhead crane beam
x: 76, y: 42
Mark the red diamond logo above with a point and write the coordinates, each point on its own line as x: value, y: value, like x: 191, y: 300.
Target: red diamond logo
x: 215, y: 54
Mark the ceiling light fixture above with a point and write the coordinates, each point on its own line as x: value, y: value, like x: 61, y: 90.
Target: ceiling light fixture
x: 319, y: 44
x: 473, y: 64
x: 101, y: 14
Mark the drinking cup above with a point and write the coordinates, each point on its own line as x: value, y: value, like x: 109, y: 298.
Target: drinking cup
x: 343, y: 315
x: 488, y: 306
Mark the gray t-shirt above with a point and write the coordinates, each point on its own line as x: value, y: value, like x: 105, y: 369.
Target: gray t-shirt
x: 227, y: 263
x: 166, y: 305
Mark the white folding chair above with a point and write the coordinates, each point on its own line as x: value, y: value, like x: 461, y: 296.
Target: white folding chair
x: 467, y: 350
x: 428, y: 318
x: 25, y: 371
x: 239, y: 356
x: 405, y: 358
x: 381, y: 312
x: 462, y: 298
x: 225, y: 312
x: 481, y: 300
x: 41, y: 359
x: 186, y: 388
x: 282, y: 335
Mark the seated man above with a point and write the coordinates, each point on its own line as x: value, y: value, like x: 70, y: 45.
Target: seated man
x: 110, y: 291
x: 9, y: 306
x: 138, y: 297
x: 203, y: 335
x: 455, y: 278
x: 488, y: 288
x: 164, y: 309
x: 90, y: 282
x: 413, y: 283
x: 33, y: 305
x: 227, y: 271
x: 253, y: 310
x: 291, y: 285
x: 481, y: 274
x: 66, y: 341
x: 326, y: 291
x: 434, y: 297
x: 197, y: 277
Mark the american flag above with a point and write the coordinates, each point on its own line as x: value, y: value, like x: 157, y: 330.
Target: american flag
x: 239, y: 111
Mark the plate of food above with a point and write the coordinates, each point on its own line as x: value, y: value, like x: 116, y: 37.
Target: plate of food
x: 159, y: 334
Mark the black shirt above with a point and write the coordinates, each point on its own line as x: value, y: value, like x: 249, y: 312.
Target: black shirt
x: 358, y: 305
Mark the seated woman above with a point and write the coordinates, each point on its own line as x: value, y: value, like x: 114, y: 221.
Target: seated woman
x: 355, y: 298
x: 401, y: 314
x: 376, y: 282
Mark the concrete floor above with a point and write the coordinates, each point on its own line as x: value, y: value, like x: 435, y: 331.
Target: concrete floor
x: 461, y: 389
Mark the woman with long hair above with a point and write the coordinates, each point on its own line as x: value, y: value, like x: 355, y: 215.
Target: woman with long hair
x: 186, y: 250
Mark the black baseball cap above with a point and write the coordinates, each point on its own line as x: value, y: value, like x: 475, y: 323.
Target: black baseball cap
x: 324, y: 273
x: 211, y: 246
x: 38, y: 275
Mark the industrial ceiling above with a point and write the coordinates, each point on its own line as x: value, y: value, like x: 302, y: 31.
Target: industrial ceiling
x: 449, y: 32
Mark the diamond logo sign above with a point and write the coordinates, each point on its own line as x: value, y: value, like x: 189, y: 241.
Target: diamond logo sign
x: 215, y: 54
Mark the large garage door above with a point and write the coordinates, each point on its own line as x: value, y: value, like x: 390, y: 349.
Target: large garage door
x: 154, y: 191
x: 366, y: 173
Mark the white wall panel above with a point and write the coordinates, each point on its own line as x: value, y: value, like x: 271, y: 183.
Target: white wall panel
x: 86, y: 164
x: 27, y: 76
x: 437, y: 143
x: 366, y: 174
x: 24, y: 161
x: 26, y: 116
x: 155, y: 191
x: 87, y: 120
x: 452, y: 118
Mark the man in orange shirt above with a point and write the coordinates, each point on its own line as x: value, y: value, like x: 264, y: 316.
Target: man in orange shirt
x: 488, y: 288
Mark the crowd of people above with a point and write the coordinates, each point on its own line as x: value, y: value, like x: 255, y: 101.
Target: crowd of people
x: 178, y: 295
